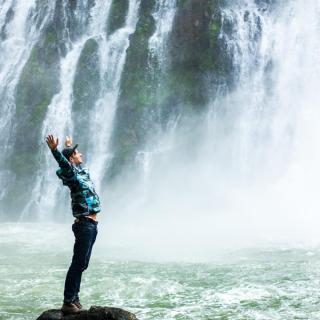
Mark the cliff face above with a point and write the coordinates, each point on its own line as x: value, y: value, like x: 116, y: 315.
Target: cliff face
x: 150, y: 96
x: 136, y: 98
x: 167, y: 73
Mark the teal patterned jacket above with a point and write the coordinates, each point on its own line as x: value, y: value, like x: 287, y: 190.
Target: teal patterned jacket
x: 84, y: 199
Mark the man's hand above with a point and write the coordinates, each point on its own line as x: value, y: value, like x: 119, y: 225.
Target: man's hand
x: 52, y: 142
x: 68, y: 142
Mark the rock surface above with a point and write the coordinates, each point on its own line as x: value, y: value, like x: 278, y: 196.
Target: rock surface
x: 94, y: 313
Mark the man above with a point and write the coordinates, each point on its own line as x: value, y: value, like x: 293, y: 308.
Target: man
x: 85, y: 206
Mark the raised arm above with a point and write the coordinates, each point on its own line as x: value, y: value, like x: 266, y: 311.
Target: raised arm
x: 64, y: 164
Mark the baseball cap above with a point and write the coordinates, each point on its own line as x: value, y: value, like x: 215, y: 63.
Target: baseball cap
x: 68, y: 151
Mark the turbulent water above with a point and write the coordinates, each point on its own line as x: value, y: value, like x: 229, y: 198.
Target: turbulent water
x: 270, y: 283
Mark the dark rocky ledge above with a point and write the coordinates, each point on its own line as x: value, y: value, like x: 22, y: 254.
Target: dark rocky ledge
x: 94, y: 313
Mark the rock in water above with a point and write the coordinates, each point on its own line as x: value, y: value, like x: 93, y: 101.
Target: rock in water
x: 94, y: 313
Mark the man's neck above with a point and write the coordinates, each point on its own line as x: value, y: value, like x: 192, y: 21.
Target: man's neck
x: 77, y: 166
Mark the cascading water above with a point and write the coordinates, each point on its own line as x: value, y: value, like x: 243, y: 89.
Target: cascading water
x: 59, y: 115
x: 267, y: 110
x: 114, y: 50
x: 257, y: 121
x: 58, y: 120
x: 164, y: 15
x: 20, y: 25
x: 248, y: 179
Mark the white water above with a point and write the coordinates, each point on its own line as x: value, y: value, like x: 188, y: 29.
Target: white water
x: 164, y: 16
x: 269, y: 283
x: 113, y: 53
x: 21, y: 34
x: 254, y: 172
x: 58, y: 120
x: 254, y: 176
x: 273, y: 154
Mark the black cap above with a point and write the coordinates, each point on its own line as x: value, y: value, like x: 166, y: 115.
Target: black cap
x: 68, y: 151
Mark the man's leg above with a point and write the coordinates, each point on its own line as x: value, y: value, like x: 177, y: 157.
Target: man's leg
x: 87, y: 262
x: 85, y: 234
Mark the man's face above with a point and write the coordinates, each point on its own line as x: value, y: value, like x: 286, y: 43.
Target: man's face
x: 76, y: 157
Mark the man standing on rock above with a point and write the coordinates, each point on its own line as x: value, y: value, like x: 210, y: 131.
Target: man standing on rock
x: 85, y: 206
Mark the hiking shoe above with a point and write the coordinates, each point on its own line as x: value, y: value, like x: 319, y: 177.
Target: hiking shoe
x: 77, y: 303
x: 69, y: 308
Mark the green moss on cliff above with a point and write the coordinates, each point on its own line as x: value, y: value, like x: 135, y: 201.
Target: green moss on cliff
x: 38, y: 83
x: 86, y: 84
x: 117, y: 16
x: 86, y: 90
x: 191, y: 55
x: 192, y: 60
x: 137, y: 94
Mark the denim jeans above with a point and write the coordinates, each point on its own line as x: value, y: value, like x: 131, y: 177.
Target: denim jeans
x: 85, y: 233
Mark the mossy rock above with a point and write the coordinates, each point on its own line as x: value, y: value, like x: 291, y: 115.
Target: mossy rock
x: 137, y: 97
x: 38, y: 83
x: 86, y: 90
x: 9, y: 17
x: 147, y: 100
x: 117, y: 16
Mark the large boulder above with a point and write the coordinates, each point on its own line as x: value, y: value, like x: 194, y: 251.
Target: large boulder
x: 94, y: 313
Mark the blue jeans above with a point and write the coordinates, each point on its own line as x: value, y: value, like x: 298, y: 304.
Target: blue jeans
x: 85, y: 233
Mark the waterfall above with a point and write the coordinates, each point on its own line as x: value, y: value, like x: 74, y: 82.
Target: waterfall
x: 267, y: 121
x: 113, y: 51
x: 273, y: 105
x: 163, y: 15
x: 255, y: 135
x: 246, y: 111
x: 255, y: 170
x: 271, y: 51
x: 20, y: 25
x: 58, y: 119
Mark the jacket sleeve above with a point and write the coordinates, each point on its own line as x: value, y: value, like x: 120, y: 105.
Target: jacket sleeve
x: 64, y: 164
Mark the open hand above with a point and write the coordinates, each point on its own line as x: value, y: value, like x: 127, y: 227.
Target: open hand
x: 52, y: 142
x: 68, y: 142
